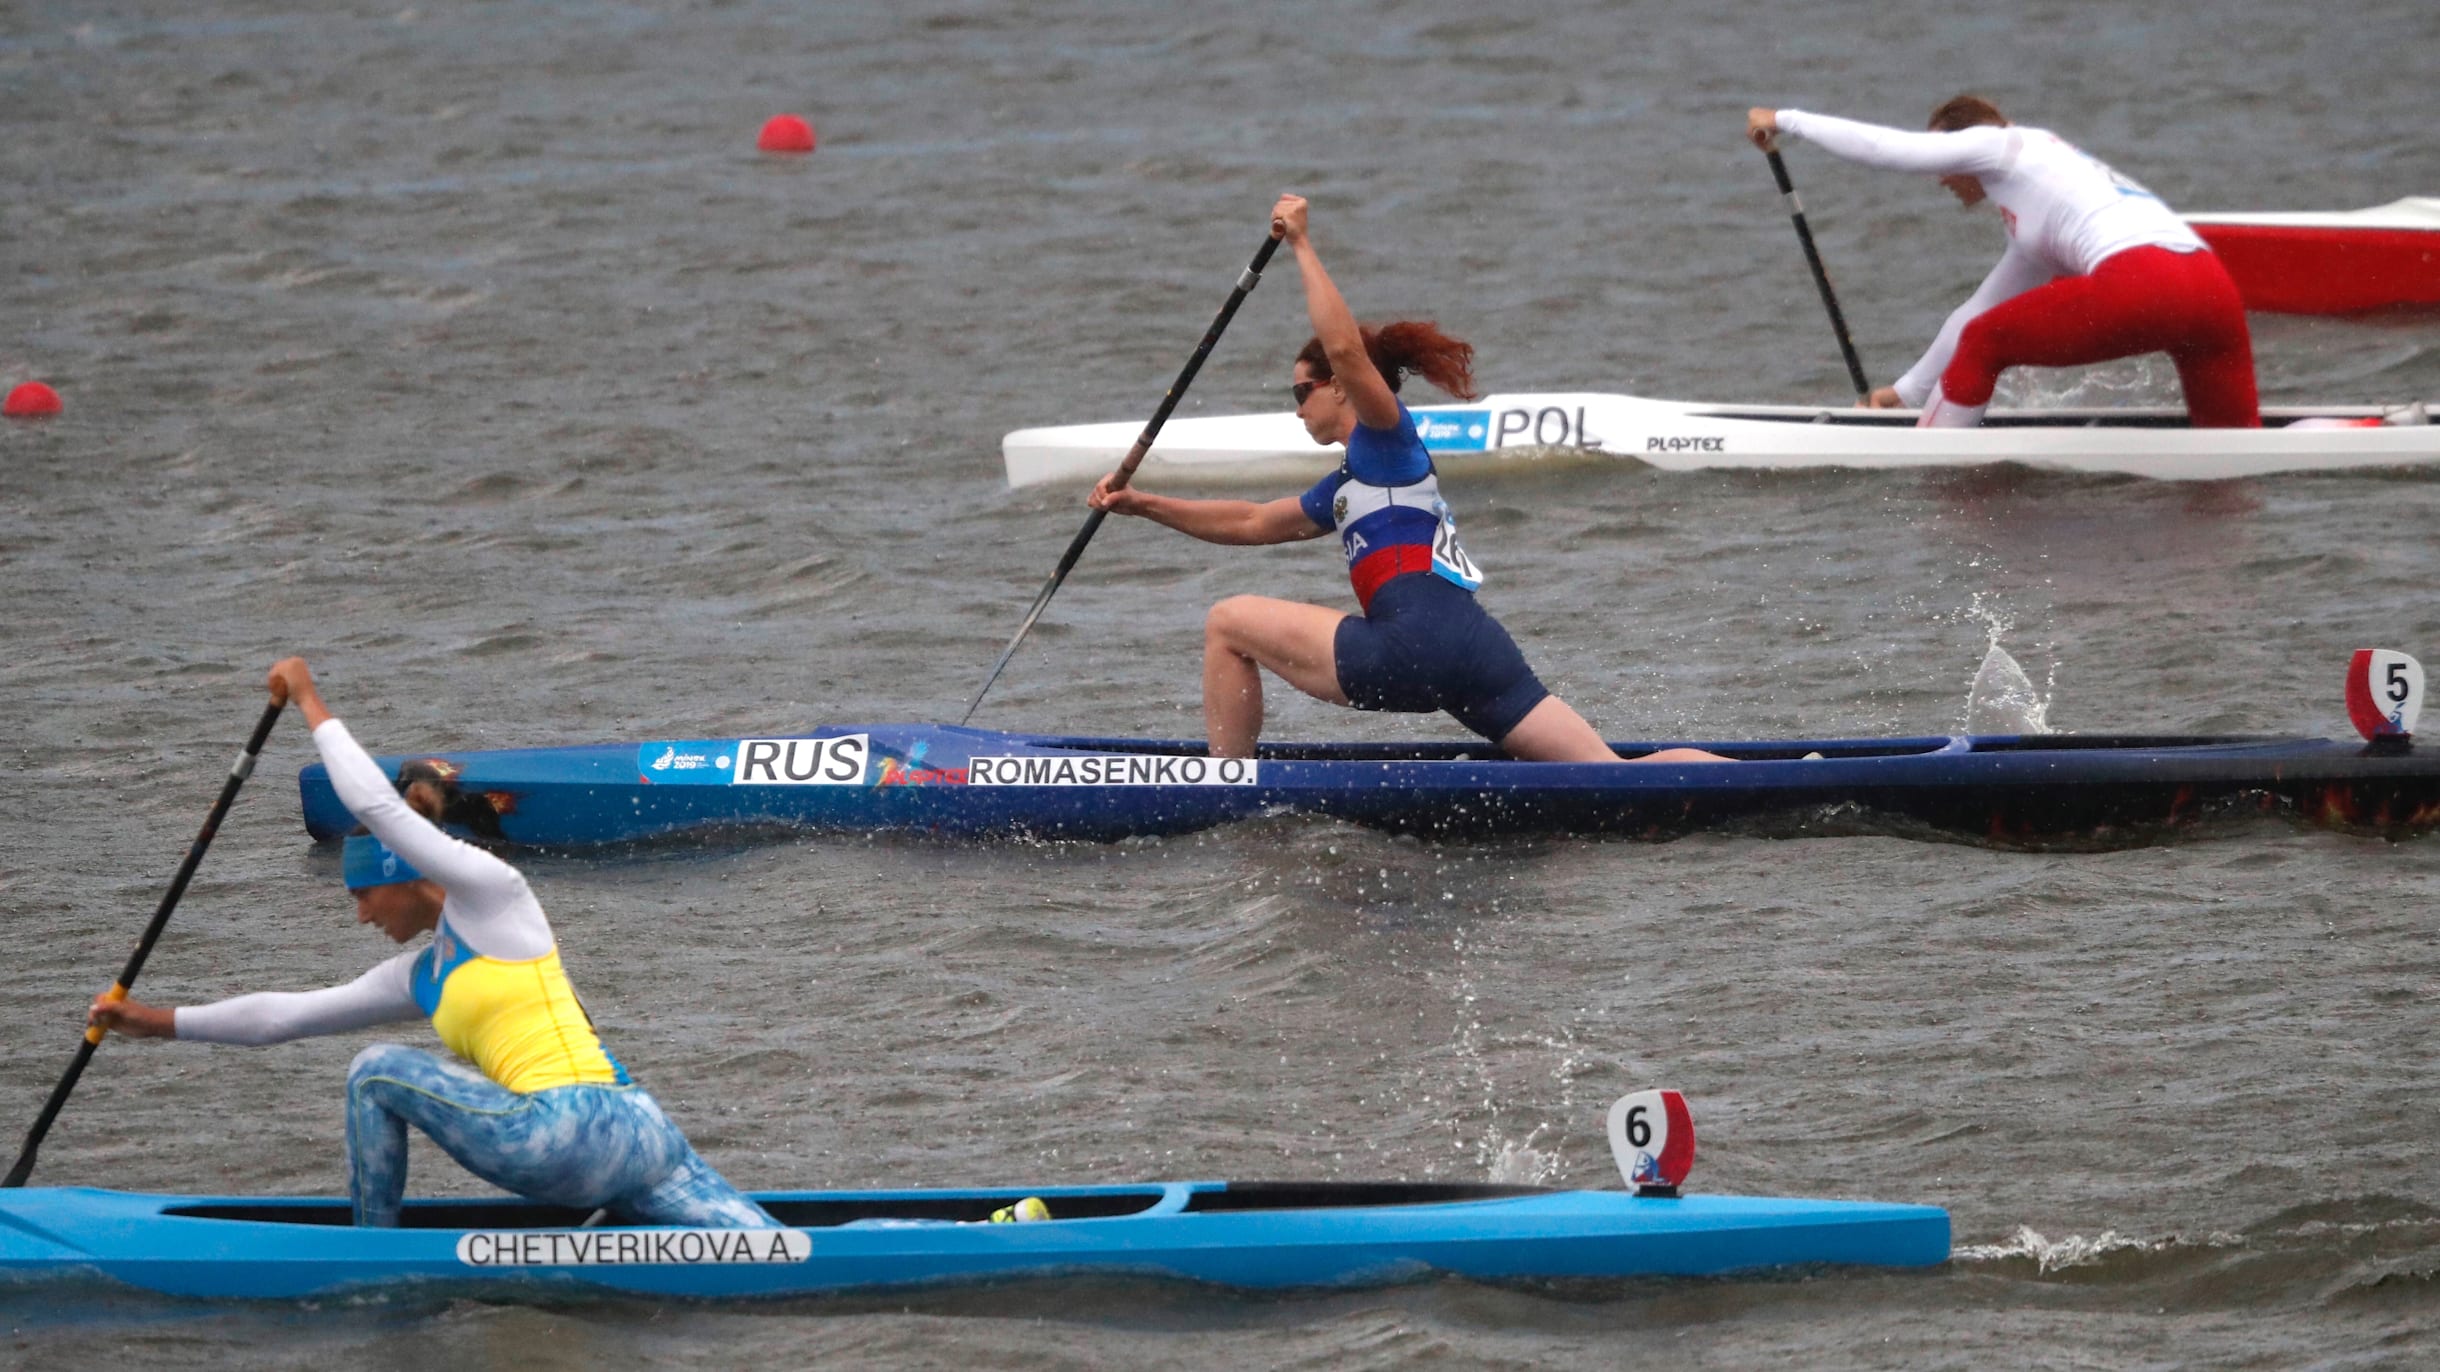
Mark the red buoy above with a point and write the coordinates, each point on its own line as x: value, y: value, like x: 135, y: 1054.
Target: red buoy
x: 786, y: 133
x: 31, y: 400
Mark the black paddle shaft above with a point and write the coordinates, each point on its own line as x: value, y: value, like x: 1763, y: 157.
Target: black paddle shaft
x: 1821, y: 275
x: 238, y: 772
x: 1246, y: 281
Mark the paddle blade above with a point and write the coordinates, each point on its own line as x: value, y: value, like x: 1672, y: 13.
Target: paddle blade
x: 2384, y: 692
x: 1652, y: 1138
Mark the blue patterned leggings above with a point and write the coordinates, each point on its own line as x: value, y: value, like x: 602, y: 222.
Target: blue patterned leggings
x: 588, y: 1146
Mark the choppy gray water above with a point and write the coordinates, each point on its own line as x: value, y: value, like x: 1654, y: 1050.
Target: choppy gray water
x: 472, y: 350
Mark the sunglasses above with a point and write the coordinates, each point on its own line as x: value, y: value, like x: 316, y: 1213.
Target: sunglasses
x: 1304, y: 389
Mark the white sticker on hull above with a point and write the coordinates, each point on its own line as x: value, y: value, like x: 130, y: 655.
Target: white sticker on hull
x: 802, y: 761
x: 632, y: 1247
x: 1115, y: 769
x: 755, y: 761
x: 1547, y: 427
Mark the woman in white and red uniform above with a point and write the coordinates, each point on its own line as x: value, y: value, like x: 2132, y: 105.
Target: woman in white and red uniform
x: 2096, y: 268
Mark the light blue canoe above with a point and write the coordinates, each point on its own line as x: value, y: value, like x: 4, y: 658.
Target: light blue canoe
x: 1249, y: 1235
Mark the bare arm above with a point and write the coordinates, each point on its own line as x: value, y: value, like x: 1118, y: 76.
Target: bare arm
x: 133, y: 1018
x: 1375, y: 403
x: 1235, y: 523
x: 292, y: 681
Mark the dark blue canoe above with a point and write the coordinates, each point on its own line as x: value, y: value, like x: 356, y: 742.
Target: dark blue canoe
x: 1258, y: 1235
x: 940, y: 779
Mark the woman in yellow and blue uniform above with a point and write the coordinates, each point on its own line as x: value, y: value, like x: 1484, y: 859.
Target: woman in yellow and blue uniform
x: 532, y: 1101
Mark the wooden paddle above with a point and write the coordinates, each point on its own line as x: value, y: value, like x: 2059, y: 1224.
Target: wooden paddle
x: 1246, y: 281
x: 1821, y: 277
x: 238, y: 772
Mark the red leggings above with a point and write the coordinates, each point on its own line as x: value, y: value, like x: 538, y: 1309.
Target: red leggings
x: 2143, y: 300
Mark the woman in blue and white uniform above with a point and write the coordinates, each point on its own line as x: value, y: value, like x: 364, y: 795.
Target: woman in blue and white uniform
x: 532, y: 1101
x: 1422, y: 643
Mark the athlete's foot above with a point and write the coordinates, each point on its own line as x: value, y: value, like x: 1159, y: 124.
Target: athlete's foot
x: 1940, y: 412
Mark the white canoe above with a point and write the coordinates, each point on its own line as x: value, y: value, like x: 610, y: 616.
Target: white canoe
x: 1678, y: 436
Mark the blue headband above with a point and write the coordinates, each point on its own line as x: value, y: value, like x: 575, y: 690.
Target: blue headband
x: 366, y: 861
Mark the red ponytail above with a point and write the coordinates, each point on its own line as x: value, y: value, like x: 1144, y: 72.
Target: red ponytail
x: 1965, y: 112
x: 1409, y: 345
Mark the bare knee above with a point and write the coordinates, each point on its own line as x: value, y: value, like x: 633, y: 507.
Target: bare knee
x: 1227, y: 622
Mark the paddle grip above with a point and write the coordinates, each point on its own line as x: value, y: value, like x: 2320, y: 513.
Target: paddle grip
x: 117, y: 991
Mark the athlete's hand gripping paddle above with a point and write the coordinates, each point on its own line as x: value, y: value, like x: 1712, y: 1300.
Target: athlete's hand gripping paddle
x: 238, y: 772
x: 1246, y: 281
x: 1652, y: 1139
x: 1813, y: 259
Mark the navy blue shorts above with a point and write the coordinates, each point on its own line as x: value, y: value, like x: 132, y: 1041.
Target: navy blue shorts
x: 1424, y: 645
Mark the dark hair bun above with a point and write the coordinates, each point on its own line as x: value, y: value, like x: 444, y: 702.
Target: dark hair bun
x: 473, y: 811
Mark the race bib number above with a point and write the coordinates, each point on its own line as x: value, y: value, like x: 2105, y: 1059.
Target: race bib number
x: 1449, y: 553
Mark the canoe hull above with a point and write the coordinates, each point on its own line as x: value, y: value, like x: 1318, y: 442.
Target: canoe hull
x: 1501, y: 430
x: 2331, y: 263
x: 1254, y: 1237
x: 972, y: 783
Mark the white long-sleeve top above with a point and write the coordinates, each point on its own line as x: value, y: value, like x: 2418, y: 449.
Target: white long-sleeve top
x: 489, y: 908
x: 2065, y: 210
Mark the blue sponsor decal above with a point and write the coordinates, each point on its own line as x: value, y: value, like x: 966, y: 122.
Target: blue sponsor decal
x: 698, y: 762
x: 1454, y: 431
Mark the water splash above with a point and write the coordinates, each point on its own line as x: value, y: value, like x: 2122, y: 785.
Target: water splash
x: 2003, y: 699
x: 2075, y: 1250
x: 2049, y: 1255
x: 1503, y: 1159
x: 1983, y: 608
x: 1519, y: 1163
x: 2146, y: 380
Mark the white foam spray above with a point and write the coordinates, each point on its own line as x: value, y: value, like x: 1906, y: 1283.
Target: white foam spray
x: 2075, y: 1250
x: 2002, y: 700
x: 2050, y: 1255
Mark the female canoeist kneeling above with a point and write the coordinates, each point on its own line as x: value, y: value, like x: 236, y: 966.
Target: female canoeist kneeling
x: 2096, y: 268
x: 545, y: 1111
x: 1422, y: 643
